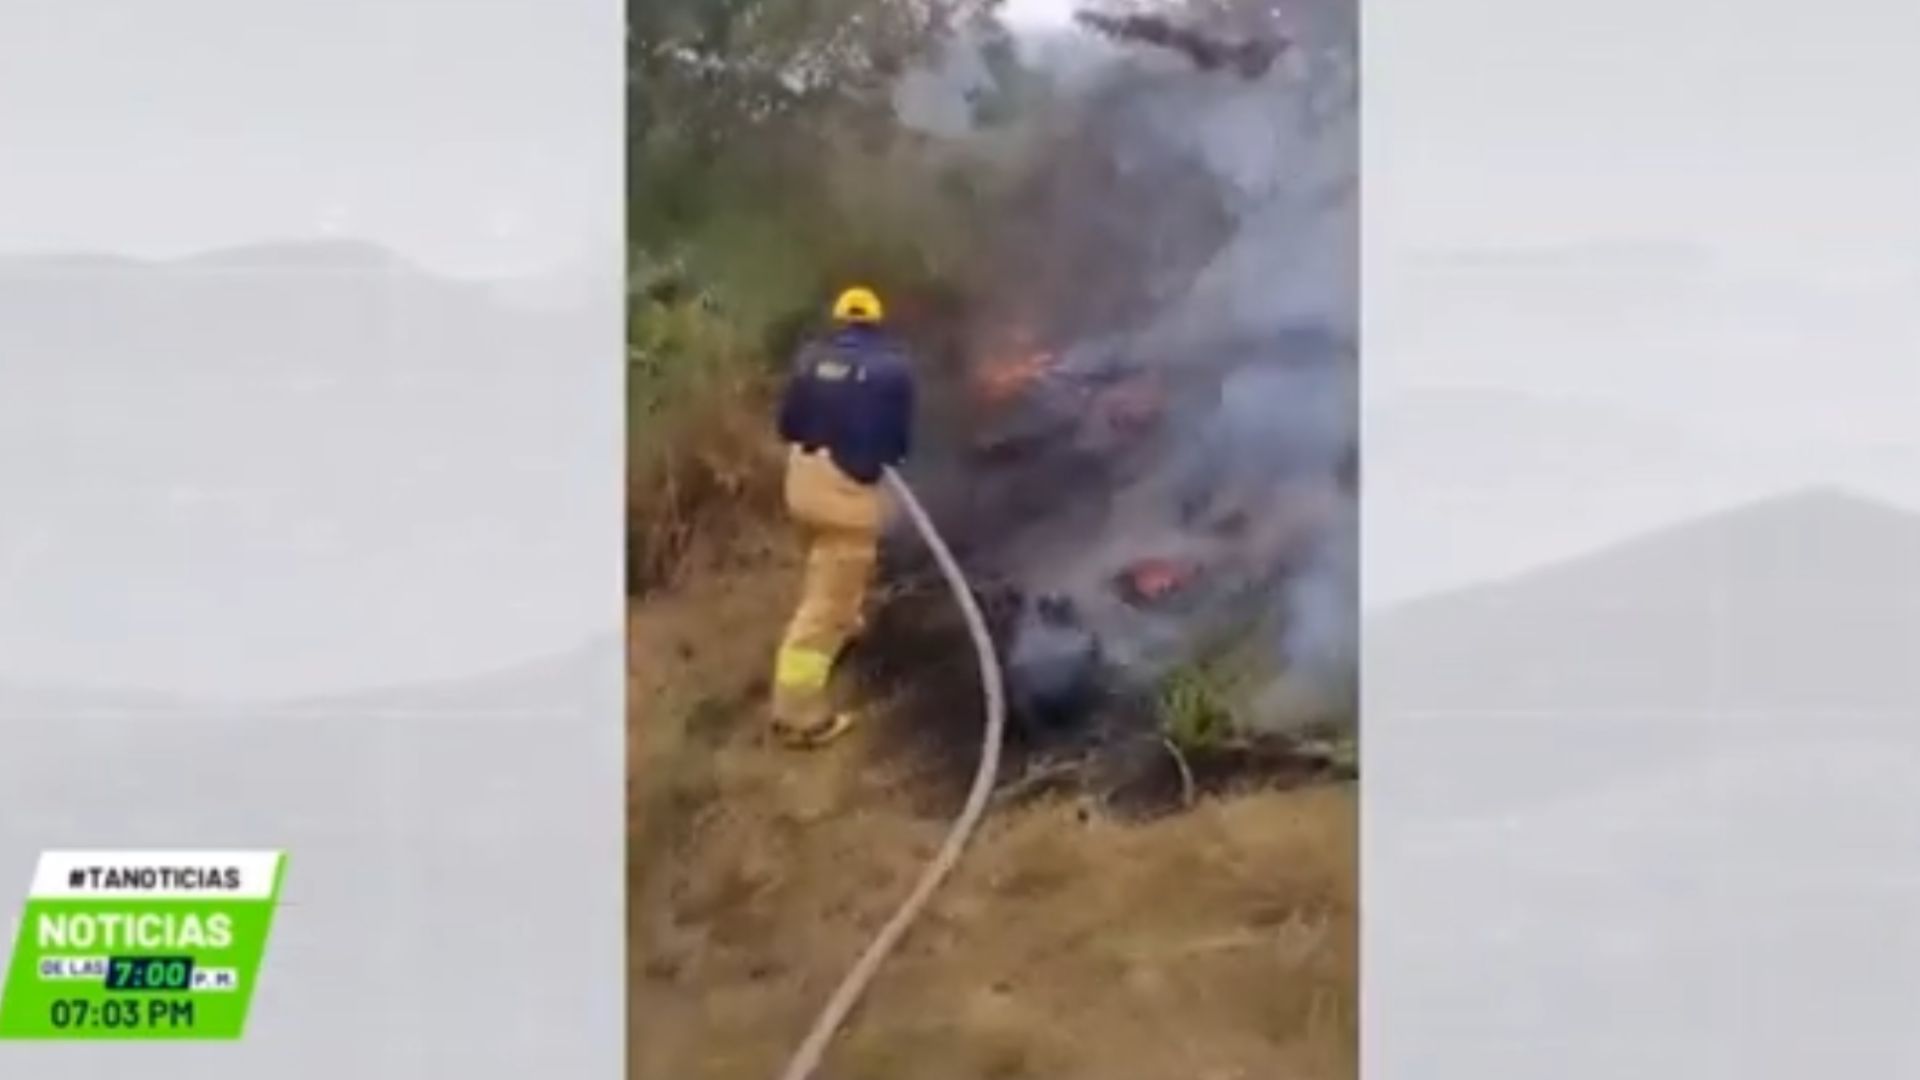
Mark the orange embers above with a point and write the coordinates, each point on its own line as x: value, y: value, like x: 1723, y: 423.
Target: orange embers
x: 1152, y: 579
x: 1011, y: 369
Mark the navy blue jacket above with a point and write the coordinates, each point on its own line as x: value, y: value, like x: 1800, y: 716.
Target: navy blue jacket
x: 852, y: 394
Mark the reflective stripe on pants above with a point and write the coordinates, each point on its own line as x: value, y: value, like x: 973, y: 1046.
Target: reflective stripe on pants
x: 802, y: 670
x: 841, y: 519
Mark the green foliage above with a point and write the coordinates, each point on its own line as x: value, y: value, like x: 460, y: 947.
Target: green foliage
x: 765, y: 261
x: 766, y: 167
x: 700, y: 457
x: 767, y: 171
x: 711, y: 76
x: 1193, y: 711
x: 1210, y: 700
x: 677, y: 349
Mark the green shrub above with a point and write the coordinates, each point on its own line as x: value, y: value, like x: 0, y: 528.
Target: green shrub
x: 701, y: 454
x: 742, y: 225
x: 1192, y: 711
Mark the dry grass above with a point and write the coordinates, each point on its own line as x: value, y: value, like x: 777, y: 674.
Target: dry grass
x: 702, y: 461
x: 1219, y: 944
x: 714, y: 475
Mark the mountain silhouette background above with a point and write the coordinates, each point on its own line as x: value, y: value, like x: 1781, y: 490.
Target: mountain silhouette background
x: 1468, y: 483
x: 576, y: 681
x: 1793, y: 618
x: 1809, y: 601
x: 1695, y: 748
x: 234, y: 473
x: 1471, y: 483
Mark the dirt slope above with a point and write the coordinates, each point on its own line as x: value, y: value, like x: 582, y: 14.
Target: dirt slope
x: 1219, y: 944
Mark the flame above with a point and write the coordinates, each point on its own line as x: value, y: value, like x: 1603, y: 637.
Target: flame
x: 1156, y: 577
x: 1011, y: 370
x: 1003, y: 380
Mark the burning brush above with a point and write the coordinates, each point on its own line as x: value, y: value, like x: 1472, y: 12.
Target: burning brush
x: 1033, y: 399
x: 1157, y: 580
x: 1003, y: 379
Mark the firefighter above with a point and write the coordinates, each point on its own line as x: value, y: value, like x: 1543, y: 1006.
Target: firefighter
x: 846, y: 415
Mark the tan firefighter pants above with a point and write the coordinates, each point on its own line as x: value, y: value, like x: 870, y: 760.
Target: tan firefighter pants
x: 841, y: 518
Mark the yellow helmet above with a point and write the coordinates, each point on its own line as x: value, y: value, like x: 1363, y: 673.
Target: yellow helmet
x: 858, y: 305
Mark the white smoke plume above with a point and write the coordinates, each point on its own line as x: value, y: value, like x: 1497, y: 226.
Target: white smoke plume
x: 1194, y: 233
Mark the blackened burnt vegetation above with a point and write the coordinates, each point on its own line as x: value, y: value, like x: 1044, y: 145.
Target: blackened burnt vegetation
x: 1129, y: 295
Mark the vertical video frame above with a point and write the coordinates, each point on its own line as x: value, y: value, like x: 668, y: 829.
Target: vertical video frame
x: 993, y: 508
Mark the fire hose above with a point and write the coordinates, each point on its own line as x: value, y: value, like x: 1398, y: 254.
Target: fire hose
x: 807, y: 1058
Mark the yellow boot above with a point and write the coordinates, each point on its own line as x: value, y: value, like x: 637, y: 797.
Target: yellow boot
x: 819, y: 735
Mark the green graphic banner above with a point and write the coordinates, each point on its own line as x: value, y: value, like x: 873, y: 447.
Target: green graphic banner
x: 140, y: 945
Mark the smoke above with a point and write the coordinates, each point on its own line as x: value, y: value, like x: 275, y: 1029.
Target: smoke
x: 1188, y: 235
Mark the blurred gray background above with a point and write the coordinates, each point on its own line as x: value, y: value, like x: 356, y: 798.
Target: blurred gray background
x: 1642, y: 518
x: 311, y: 444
